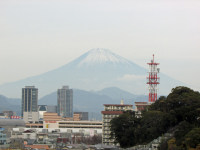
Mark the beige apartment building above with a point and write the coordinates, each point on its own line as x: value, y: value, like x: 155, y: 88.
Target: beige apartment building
x: 111, y: 111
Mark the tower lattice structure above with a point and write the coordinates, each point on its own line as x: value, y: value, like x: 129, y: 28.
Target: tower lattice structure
x: 153, y: 80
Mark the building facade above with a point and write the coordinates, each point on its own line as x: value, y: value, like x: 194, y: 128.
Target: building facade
x: 111, y: 111
x: 52, y: 108
x: 139, y: 107
x: 41, y: 110
x: 82, y: 115
x: 2, y: 137
x: 65, y: 102
x: 29, y: 104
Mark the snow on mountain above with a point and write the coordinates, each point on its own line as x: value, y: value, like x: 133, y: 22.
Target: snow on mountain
x: 99, y: 56
x: 94, y: 70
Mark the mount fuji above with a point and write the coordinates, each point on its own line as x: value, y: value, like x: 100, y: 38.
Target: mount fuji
x: 94, y: 70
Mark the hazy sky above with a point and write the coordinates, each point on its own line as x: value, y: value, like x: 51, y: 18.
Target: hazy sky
x: 40, y: 35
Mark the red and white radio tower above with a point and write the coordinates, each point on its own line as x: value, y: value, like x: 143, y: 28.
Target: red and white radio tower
x: 153, y: 80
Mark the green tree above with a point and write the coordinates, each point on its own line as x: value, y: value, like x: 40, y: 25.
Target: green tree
x: 123, y: 129
x: 182, y: 129
x: 179, y: 112
x: 192, y: 138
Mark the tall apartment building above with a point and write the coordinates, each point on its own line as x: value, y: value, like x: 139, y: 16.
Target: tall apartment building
x: 65, y: 102
x: 29, y: 104
x: 111, y: 111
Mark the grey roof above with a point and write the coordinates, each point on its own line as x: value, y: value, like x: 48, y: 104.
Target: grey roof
x: 12, y: 122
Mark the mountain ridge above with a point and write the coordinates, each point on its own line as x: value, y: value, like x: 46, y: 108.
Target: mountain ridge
x: 92, y: 101
x: 92, y: 76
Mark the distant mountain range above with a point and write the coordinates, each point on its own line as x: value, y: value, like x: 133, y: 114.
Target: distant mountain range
x: 13, y: 104
x: 88, y: 101
x: 92, y: 102
x: 94, y: 70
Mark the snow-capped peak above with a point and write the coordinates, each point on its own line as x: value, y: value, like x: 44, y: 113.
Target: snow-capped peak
x: 101, y: 55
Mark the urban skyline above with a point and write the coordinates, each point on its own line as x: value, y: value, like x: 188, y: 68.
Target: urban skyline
x: 102, y: 50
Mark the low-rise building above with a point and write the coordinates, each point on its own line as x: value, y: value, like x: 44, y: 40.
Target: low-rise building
x: 76, y: 117
x: 36, y: 147
x: 8, y: 113
x: 81, y: 115
x: 71, y: 131
x: 88, y: 127
x: 2, y: 116
x: 2, y: 137
x: 35, y: 124
x: 29, y: 134
x: 80, y: 124
x: 139, y: 107
x: 48, y: 116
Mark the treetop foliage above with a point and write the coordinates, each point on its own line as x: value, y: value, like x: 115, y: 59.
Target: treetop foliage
x: 180, y: 109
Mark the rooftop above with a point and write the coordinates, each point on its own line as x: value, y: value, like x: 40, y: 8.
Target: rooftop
x: 12, y: 122
x: 117, y: 105
x: 37, y: 146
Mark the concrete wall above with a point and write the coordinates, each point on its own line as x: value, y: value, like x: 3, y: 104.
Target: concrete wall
x: 50, y: 124
x: 30, y: 116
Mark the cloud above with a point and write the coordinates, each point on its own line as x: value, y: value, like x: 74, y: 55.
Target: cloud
x: 131, y: 77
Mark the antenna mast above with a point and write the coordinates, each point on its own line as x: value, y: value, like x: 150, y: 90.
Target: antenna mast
x: 153, y: 80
